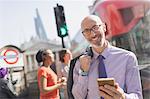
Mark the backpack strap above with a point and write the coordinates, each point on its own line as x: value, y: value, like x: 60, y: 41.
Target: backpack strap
x: 70, y: 78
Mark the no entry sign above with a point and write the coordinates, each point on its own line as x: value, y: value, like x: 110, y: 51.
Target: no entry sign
x: 11, y: 57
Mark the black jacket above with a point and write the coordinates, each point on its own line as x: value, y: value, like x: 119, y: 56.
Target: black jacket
x: 70, y: 76
x: 6, y: 89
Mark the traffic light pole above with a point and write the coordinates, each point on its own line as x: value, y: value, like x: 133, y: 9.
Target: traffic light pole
x: 62, y: 30
x: 62, y: 39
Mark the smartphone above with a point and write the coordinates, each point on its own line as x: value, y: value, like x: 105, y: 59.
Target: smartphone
x: 104, y: 81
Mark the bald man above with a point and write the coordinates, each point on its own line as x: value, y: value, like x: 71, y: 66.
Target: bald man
x: 119, y: 64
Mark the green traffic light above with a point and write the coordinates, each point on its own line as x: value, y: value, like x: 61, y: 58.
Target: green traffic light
x: 63, y: 30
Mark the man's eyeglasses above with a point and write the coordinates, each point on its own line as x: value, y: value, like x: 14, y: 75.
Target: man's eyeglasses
x: 95, y: 28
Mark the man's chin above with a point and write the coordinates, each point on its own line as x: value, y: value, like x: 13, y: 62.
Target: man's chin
x: 96, y: 45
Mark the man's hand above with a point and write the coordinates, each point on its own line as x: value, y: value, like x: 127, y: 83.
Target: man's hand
x: 111, y: 92
x: 85, y: 61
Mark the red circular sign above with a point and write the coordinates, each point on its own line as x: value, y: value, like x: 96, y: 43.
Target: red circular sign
x: 11, y: 61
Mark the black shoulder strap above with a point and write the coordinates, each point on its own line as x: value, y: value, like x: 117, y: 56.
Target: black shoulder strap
x: 70, y: 76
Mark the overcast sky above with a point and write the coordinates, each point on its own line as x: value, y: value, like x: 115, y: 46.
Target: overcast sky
x: 17, y: 18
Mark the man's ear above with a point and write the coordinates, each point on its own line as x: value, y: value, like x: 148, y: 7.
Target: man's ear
x: 104, y: 28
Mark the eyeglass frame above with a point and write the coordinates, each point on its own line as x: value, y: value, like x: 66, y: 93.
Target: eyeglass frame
x: 91, y: 29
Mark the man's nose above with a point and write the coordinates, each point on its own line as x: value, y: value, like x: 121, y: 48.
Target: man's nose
x: 93, y: 33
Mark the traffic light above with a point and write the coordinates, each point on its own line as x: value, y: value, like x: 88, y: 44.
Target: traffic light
x: 60, y: 21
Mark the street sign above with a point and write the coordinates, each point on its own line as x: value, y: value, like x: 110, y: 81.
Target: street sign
x: 11, y: 57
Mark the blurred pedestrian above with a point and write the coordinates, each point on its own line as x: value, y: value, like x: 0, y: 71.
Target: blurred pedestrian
x: 48, y: 81
x: 65, y: 57
x: 6, y: 87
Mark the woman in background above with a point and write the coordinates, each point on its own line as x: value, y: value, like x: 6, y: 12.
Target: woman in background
x: 47, y: 79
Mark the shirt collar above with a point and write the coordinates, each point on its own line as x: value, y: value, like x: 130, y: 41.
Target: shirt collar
x: 105, y: 53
